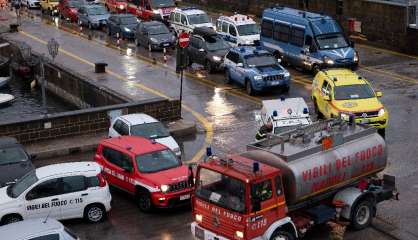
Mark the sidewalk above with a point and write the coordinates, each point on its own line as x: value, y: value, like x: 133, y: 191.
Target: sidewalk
x: 85, y: 143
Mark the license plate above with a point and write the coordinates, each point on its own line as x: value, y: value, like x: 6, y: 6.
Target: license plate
x: 166, y: 44
x: 365, y: 121
x: 275, y: 83
x: 200, y: 234
x: 184, y: 197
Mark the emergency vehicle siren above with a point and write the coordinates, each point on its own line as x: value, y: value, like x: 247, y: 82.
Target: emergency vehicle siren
x: 208, y: 153
x: 305, y: 111
x: 282, y: 98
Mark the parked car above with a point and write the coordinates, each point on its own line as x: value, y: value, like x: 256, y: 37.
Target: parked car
x: 238, y: 30
x: 207, y: 48
x: 152, y: 9
x: 31, y: 3
x: 122, y: 24
x: 143, y: 125
x: 60, y: 191
x: 93, y: 16
x: 186, y: 19
x: 116, y: 6
x: 154, y: 35
x: 15, y: 162
x: 341, y: 93
x: 37, y: 229
x: 68, y: 9
x: 49, y: 7
x: 256, y: 69
x: 147, y: 170
x: 306, y: 40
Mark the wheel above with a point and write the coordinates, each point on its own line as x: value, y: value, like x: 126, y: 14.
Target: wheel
x: 227, y: 77
x: 282, y: 235
x: 362, y: 214
x: 11, y: 219
x: 94, y: 213
x: 208, y: 67
x: 316, y: 109
x: 144, y: 202
x: 249, y: 88
x: 382, y: 132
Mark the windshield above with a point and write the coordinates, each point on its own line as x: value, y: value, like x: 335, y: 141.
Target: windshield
x: 158, y: 29
x: 12, y: 155
x: 331, y: 41
x: 248, y: 29
x: 157, y: 161
x: 96, y: 10
x: 150, y: 130
x: 162, y: 3
x: 260, y: 60
x: 22, y: 184
x: 358, y: 91
x: 222, y: 190
x: 216, y: 43
x: 198, y: 19
x: 128, y: 20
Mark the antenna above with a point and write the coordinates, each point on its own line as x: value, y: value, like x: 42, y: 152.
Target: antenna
x: 47, y: 216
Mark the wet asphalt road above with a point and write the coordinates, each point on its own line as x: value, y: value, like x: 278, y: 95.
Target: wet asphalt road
x: 229, y: 112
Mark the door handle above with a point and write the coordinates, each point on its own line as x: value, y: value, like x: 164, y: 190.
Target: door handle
x: 84, y: 194
x: 55, y: 199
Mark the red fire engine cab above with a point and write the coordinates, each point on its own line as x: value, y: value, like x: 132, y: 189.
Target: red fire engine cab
x: 285, y: 185
x: 116, y: 6
x: 151, y: 9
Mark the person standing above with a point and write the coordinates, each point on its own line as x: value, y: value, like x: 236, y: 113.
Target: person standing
x: 262, y: 132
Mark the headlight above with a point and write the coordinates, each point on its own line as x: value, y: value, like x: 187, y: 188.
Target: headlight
x: 153, y: 40
x: 328, y: 60
x: 286, y: 74
x: 164, y: 188
x: 345, y: 116
x: 239, y: 234
x: 199, y: 218
x: 381, y: 112
x: 121, y: 7
x: 156, y: 11
x: 216, y: 58
x: 355, y: 58
x: 126, y: 29
x: 258, y: 77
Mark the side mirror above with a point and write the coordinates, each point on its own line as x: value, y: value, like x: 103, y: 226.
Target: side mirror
x: 256, y: 205
x: 379, y: 94
x: 240, y: 64
x: 201, y: 50
x: 327, y: 98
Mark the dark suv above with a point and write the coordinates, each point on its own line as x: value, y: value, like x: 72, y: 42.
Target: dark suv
x: 207, y: 48
x: 14, y: 161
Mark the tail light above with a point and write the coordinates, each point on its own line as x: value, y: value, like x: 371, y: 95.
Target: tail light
x: 102, y: 180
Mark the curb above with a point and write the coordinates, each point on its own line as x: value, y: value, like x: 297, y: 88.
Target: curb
x: 178, y: 129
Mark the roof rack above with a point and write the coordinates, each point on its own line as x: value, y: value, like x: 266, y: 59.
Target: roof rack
x: 237, y: 165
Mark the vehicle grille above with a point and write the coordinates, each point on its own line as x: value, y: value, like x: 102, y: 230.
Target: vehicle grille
x: 178, y: 186
x: 273, y: 78
x: 367, y: 114
x: 225, y: 227
x: 343, y: 60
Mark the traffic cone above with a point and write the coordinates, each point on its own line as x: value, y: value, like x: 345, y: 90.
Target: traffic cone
x: 165, y: 55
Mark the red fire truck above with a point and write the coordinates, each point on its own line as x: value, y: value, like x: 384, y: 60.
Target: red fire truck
x: 284, y: 185
x: 151, y: 9
x: 116, y: 6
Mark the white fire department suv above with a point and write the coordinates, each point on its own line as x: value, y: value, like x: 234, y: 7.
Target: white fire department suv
x: 60, y: 191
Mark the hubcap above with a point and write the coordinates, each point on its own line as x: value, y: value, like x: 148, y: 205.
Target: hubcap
x: 363, y: 215
x: 95, y: 214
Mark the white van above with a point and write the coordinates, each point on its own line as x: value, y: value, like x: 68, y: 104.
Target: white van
x: 238, y: 29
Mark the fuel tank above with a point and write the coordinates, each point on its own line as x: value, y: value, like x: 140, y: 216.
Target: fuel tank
x: 318, y: 172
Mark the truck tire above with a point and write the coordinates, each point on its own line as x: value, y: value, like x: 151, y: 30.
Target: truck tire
x: 282, y: 235
x: 94, y: 213
x: 143, y: 199
x: 11, y: 218
x: 362, y: 214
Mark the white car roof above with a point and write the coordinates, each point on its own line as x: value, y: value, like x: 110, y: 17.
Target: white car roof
x: 296, y: 106
x: 66, y: 168
x: 138, y: 118
x: 30, y: 227
x: 190, y: 11
x: 238, y: 19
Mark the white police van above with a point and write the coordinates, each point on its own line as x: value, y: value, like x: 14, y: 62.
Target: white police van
x: 238, y: 29
x: 306, y: 40
x: 186, y: 19
x: 60, y: 191
x: 285, y: 114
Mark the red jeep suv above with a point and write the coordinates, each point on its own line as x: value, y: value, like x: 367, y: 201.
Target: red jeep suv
x: 148, y: 170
